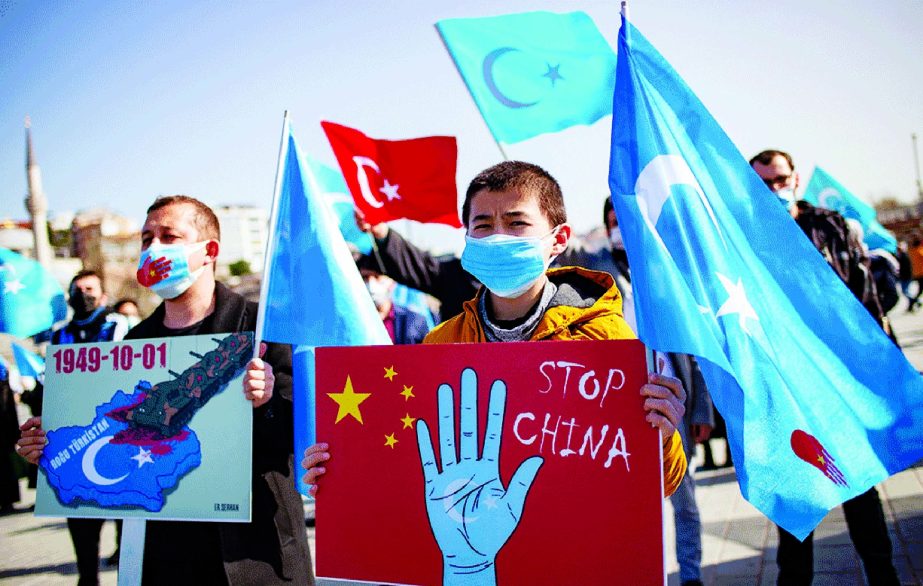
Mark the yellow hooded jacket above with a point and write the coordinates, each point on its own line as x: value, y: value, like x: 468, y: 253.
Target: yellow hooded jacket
x: 596, y: 315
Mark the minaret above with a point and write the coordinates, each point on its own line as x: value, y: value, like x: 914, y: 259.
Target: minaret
x: 36, y: 204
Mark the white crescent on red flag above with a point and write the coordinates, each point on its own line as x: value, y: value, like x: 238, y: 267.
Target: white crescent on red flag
x: 397, y: 179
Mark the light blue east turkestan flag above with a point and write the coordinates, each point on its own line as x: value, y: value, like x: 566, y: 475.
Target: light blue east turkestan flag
x: 314, y: 295
x: 826, y: 192
x: 330, y: 184
x: 820, y: 404
x: 28, y: 363
x: 31, y: 300
x: 534, y: 72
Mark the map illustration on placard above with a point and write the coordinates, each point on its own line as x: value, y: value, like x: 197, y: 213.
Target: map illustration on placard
x: 152, y: 434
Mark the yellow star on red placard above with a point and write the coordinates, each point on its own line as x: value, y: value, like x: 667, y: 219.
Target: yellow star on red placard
x: 408, y: 393
x: 407, y: 420
x: 390, y: 440
x: 390, y: 373
x: 349, y: 401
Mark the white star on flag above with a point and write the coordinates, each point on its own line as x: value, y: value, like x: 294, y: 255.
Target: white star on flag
x: 390, y: 190
x: 737, y: 302
x: 14, y: 287
x: 143, y: 457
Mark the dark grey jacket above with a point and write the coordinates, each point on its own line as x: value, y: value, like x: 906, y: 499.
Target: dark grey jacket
x: 273, y: 547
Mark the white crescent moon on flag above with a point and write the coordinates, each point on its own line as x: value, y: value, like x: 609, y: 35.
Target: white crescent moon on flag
x: 361, y: 164
x: 89, y: 464
x: 830, y: 198
x: 487, y: 70
x: 654, y: 183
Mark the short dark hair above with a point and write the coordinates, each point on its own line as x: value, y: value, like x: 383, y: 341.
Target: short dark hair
x: 526, y: 177
x: 84, y: 274
x: 206, y: 221
x: 766, y: 157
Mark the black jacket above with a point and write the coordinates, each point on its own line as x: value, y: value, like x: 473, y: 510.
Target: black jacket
x: 273, y: 547
x: 828, y: 231
x: 444, y: 279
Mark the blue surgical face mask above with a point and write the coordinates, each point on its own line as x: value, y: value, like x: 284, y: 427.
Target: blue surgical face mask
x: 164, y: 268
x: 507, y: 265
x: 786, y: 195
x: 380, y: 291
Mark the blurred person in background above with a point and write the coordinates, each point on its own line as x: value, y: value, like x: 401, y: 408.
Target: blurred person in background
x: 404, y: 325
x: 129, y: 309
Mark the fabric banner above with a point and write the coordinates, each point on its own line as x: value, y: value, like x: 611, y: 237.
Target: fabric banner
x: 31, y: 300
x: 534, y: 72
x: 314, y: 294
x: 826, y: 192
x: 820, y: 404
x: 397, y: 179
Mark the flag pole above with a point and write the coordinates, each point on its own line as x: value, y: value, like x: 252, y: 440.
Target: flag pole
x: 131, y: 548
x: 496, y: 141
x: 270, y: 240
x: 649, y: 353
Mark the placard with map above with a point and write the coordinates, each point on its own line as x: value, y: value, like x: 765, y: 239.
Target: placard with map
x: 154, y: 429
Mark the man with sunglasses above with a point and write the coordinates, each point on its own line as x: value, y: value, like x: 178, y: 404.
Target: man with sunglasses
x: 864, y: 516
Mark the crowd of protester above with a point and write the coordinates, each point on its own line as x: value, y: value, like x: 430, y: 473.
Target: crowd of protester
x: 477, y: 302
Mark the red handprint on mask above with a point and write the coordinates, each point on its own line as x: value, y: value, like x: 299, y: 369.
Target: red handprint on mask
x: 154, y: 270
x: 814, y: 453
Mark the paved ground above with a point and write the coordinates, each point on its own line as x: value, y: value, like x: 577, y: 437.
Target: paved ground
x: 739, y: 543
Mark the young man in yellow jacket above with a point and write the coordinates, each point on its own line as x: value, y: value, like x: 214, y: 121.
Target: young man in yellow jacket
x: 516, y: 225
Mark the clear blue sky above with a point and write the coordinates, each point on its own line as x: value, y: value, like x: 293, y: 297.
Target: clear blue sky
x: 130, y: 100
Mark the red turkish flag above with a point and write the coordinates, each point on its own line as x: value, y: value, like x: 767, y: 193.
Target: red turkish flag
x: 395, y: 179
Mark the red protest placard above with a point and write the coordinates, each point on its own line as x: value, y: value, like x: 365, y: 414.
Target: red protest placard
x: 556, y: 480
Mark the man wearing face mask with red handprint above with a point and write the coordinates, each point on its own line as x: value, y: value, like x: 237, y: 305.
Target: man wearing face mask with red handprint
x: 180, y: 243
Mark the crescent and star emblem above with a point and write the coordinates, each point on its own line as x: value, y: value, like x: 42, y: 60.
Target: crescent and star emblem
x: 654, y: 187
x: 830, y: 198
x: 487, y: 71
x: 89, y: 463
x: 388, y: 189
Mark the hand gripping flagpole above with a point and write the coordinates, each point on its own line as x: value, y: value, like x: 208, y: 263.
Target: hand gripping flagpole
x: 271, y: 241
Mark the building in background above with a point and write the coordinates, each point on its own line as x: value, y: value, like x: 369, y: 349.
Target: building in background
x: 16, y: 235
x: 244, y: 230
x: 110, y: 244
x: 903, y: 220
